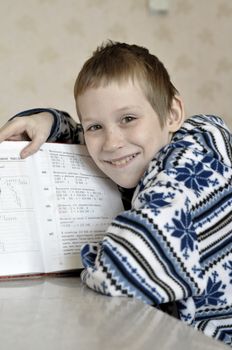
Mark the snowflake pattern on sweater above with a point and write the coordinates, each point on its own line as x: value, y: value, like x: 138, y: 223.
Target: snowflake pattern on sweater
x: 175, y: 243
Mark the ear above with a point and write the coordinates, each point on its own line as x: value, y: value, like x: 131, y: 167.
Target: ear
x: 176, y: 115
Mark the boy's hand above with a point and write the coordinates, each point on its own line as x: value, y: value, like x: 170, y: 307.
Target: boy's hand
x: 36, y: 128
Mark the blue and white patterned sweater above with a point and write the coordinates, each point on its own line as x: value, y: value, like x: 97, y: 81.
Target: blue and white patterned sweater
x: 175, y: 243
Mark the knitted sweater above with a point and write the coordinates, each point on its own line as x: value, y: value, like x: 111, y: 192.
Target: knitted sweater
x: 175, y: 243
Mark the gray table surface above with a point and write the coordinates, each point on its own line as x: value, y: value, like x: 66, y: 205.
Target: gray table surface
x: 61, y: 313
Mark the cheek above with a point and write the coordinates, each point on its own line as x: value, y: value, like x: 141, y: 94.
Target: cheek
x: 92, y: 148
x: 153, y: 142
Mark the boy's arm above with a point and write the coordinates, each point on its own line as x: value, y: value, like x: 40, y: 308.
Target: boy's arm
x: 150, y: 252
x: 64, y: 128
x: 39, y: 125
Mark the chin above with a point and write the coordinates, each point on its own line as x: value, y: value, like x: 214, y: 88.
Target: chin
x: 129, y: 187
x: 126, y: 184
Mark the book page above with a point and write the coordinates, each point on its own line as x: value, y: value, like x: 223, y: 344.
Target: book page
x: 20, y: 249
x: 79, y: 203
x: 50, y: 205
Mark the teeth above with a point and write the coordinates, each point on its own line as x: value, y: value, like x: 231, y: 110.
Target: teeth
x: 122, y: 161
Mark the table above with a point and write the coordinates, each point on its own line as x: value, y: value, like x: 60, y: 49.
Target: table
x: 61, y: 313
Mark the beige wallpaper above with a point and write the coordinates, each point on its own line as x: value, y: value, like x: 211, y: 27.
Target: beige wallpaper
x: 44, y: 43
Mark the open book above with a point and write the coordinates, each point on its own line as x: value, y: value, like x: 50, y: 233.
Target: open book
x: 50, y: 205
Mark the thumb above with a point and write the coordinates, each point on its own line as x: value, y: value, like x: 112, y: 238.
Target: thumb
x: 31, y: 148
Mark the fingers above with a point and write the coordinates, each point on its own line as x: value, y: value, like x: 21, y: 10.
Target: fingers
x: 11, y: 130
x: 21, y: 137
x: 32, y: 147
x: 36, y: 129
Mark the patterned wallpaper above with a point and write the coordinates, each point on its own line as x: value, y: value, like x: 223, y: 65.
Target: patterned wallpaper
x: 45, y: 42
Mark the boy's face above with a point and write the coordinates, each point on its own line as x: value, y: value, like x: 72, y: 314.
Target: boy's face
x: 122, y: 131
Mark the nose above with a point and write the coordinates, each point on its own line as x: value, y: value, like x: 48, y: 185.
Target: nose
x: 113, y: 140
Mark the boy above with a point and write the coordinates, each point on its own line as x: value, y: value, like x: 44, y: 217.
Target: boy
x: 174, y: 243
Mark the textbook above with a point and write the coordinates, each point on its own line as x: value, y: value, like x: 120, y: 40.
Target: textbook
x: 50, y: 205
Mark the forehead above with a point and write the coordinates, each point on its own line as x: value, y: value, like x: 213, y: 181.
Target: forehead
x: 122, y: 89
x: 113, y: 96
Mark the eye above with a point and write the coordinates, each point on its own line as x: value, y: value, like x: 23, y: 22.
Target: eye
x: 94, y: 127
x: 128, y: 118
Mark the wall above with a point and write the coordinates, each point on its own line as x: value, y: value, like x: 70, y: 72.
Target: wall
x: 44, y: 43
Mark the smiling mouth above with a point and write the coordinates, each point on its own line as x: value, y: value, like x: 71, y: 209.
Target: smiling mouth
x: 122, y: 161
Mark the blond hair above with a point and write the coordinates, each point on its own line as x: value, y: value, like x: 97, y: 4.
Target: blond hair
x: 119, y: 62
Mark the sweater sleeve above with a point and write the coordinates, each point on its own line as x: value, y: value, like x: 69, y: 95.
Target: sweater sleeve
x: 65, y: 129
x: 150, y: 252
